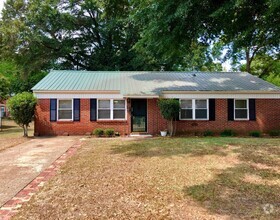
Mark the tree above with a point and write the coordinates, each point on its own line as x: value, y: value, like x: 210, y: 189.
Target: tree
x: 248, y: 28
x: 4, y: 88
x: 169, y: 109
x: 266, y: 67
x: 77, y: 34
x: 245, y: 28
x: 22, y: 108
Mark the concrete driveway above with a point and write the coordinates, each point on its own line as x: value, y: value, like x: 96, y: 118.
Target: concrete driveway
x: 19, y: 165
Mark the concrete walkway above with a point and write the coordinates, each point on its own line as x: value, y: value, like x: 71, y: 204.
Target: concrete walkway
x: 19, y: 165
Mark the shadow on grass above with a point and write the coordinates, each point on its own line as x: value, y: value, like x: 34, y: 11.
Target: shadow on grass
x: 230, y: 193
x: 234, y: 192
x: 166, y: 147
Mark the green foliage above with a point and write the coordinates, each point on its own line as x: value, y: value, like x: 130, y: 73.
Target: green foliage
x: 266, y: 67
x: 98, y: 132
x: 169, y: 109
x: 19, y: 85
x: 22, y: 108
x: 208, y: 133
x: 274, y: 79
x: 91, y: 35
x: 274, y: 133
x: 135, y: 35
x: 255, y: 133
x: 243, y: 28
x: 228, y: 133
x: 109, y: 132
x: 4, y: 88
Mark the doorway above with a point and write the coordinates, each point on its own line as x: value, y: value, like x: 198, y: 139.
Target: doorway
x: 139, y: 115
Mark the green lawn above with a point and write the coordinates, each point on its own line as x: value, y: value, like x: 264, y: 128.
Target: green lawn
x: 164, y: 178
x: 11, y: 134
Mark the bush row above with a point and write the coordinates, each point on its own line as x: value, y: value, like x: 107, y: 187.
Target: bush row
x: 232, y: 133
x: 109, y: 132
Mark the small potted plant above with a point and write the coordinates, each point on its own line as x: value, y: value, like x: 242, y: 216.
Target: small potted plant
x: 163, y: 133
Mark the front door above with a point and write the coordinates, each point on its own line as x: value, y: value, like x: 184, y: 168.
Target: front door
x: 139, y: 115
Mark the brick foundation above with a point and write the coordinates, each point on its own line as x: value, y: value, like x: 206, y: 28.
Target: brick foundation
x: 267, y: 114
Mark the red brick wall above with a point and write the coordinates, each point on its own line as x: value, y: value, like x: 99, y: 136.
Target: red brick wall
x: 43, y: 126
x: 267, y: 113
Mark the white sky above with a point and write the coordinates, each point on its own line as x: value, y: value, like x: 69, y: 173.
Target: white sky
x: 1, y: 5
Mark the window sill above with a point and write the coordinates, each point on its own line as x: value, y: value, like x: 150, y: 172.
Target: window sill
x: 65, y: 121
x: 193, y: 119
x: 112, y: 121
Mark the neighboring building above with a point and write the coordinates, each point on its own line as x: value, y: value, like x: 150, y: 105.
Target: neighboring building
x: 3, y: 109
x: 77, y: 102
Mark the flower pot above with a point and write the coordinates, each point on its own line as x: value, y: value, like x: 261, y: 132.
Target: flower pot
x: 163, y: 133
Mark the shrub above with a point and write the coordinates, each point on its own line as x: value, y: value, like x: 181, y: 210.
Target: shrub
x: 208, y: 133
x: 169, y: 109
x: 109, y: 132
x: 22, y: 108
x: 255, y: 133
x: 98, y: 132
x: 274, y: 133
x: 228, y: 133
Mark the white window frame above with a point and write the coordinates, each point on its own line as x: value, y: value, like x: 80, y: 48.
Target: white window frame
x: 97, y: 105
x: 72, y: 109
x: 193, y: 111
x: 247, y: 108
x: 112, y: 110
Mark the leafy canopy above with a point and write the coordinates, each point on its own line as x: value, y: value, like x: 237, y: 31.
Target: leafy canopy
x: 4, y: 88
x: 244, y: 28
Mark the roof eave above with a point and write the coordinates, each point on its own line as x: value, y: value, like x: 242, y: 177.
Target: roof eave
x: 224, y: 92
x: 76, y: 91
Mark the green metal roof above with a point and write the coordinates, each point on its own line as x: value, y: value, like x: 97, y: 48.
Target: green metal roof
x: 150, y: 83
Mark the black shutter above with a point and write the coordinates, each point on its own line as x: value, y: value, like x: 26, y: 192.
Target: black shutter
x: 212, y: 107
x: 252, y: 109
x: 230, y: 110
x: 53, y: 109
x: 76, y: 109
x: 93, y: 109
x: 178, y: 118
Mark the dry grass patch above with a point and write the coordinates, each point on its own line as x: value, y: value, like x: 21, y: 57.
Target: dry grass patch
x: 12, y: 135
x: 162, y: 178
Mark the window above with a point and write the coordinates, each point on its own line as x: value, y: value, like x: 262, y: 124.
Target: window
x: 241, y: 109
x: 111, y: 109
x: 2, y: 111
x: 194, y: 109
x: 119, y: 109
x: 201, y: 109
x: 65, y: 109
x: 104, y: 109
x: 186, y: 109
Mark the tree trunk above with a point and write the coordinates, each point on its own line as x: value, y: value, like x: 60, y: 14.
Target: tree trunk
x: 248, y: 61
x: 171, y: 128
x: 175, y: 127
x: 25, y: 131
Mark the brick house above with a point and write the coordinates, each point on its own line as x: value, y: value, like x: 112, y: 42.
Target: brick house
x: 77, y: 102
x: 3, y: 109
